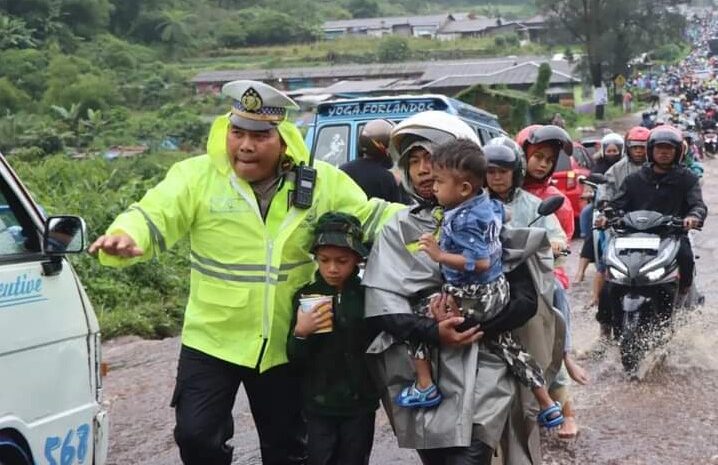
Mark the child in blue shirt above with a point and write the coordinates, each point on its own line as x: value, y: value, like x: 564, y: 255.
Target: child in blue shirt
x: 469, y: 252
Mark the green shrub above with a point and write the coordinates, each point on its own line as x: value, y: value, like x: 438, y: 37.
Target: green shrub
x: 12, y: 99
x: 146, y: 299
x: 667, y: 52
x: 393, y: 48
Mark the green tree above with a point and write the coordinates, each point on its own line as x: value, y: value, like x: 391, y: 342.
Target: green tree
x: 538, y: 89
x: 393, y: 48
x: 26, y: 69
x: 230, y: 33
x: 267, y: 27
x: 614, y: 31
x: 174, y: 30
x: 85, y: 17
x: 14, y: 33
x: 363, y: 8
x: 12, y: 99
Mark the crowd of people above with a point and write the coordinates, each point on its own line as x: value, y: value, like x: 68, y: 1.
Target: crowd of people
x: 437, y: 290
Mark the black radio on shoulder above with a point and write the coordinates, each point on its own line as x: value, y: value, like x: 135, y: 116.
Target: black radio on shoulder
x: 306, y: 178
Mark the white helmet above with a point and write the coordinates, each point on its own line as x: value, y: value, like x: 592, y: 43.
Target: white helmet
x: 612, y: 139
x: 427, y: 130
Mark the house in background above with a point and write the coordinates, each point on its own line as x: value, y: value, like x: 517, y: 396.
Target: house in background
x: 479, y: 26
x: 452, y: 26
x: 442, y: 77
x: 406, y: 26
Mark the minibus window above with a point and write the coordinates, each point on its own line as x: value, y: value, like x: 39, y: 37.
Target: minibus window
x: 332, y: 144
x: 15, y: 236
x: 485, y: 136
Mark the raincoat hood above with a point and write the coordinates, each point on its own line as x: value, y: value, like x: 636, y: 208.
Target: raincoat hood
x: 217, y: 143
x: 427, y: 130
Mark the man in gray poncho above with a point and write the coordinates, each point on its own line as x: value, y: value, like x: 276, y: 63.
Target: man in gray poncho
x: 483, y: 405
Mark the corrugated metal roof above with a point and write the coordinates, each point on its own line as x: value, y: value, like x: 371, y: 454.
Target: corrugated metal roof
x: 386, y: 22
x: 422, y: 71
x: 472, y: 25
x: 341, y: 71
x: 366, y: 86
x: 522, y: 74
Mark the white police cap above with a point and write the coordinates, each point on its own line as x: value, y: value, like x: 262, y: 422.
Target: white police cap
x: 257, y: 106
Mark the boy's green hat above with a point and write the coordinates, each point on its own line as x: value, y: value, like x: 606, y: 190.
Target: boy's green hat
x: 339, y: 230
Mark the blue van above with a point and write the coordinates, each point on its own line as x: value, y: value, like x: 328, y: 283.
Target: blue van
x: 334, y: 135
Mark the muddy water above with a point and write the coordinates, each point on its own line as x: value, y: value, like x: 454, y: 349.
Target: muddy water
x: 671, y: 417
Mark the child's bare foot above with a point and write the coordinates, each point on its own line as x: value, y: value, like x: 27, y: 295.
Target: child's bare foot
x: 569, y: 429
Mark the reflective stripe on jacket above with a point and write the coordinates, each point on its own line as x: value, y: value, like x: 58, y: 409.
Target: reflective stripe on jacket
x: 244, y: 271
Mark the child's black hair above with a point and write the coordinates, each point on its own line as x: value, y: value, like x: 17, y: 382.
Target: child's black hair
x: 461, y: 155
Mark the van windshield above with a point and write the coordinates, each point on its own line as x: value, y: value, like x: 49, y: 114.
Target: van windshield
x: 332, y: 144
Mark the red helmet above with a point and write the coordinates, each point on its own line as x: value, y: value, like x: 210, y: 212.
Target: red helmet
x: 637, y: 135
x: 537, y: 134
x: 666, y: 134
x: 524, y: 134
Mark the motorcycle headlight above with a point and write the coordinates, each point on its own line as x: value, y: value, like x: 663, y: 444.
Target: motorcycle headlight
x: 615, y: 262
x: 616, y: 274
x: 663, y: 255
x: 655, y: 274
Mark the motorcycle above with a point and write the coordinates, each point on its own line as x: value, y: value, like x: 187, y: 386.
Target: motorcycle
x: 594, y: 180
x: 710, y: 143
x: 649, y: 119
x: 641, y: 259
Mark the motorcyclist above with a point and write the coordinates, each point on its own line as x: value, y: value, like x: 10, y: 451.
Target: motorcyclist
x: 647, y: 119
x: 612, y: 149
x: 486, y: 401
x: 371, y: 170
x: 674, y: 190
x: 542, y: 146
x: 505, y: 175
x: 636, y: 139
x: 691, y: 158
x: 612, y: 145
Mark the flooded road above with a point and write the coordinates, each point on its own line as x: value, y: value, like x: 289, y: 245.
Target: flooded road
x: 671, y: 417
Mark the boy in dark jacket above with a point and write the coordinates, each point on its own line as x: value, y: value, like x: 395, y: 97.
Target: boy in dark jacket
x: 328, y: 344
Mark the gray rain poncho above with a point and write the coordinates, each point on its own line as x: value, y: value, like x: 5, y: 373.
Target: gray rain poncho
x: 481, y: 397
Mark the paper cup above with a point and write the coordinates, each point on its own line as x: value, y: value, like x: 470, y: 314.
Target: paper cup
x: 307, y: 304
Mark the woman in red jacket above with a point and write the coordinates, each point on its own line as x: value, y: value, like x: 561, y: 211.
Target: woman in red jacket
x: 542, y: 145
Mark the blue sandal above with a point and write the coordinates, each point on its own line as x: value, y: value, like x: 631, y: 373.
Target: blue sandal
x: 413, y: 397
x: 547, y: 417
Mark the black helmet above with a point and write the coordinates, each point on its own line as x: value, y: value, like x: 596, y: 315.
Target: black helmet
x: 665, y: 134
x: 374, y: 139
x: 503, y: 152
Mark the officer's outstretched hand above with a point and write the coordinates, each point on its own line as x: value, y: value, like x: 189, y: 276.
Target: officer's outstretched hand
x: 121, y: 245
x: 449, y: 336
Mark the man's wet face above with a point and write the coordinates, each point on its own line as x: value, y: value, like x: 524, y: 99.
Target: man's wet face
x: 637, y: 154
x: 421, y: 173
x: 254, y: 155
x: 664, y: 154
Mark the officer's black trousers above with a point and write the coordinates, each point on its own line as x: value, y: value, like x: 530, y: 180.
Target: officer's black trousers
x: 203, y: 399
x: 340, y: 440
x: 477, y: 453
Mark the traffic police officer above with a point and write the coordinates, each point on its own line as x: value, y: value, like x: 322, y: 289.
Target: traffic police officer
x: 249, y: 207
